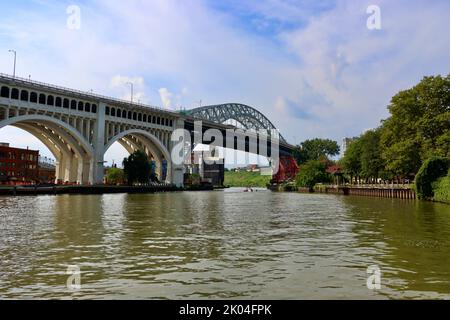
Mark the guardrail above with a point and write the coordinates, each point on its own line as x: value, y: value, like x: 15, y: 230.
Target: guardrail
x: 85, y: 93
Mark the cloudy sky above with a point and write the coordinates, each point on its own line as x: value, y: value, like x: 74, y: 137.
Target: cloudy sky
x: 312, y: 67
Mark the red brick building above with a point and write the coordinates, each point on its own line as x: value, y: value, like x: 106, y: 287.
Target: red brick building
x: 18, y: 166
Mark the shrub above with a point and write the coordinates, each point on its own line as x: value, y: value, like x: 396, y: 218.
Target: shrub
x: 312, y: 173
x: 441, y: 189
x: 431, y: 170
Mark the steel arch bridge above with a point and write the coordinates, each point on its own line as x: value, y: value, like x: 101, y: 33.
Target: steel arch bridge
x: 248, y: 117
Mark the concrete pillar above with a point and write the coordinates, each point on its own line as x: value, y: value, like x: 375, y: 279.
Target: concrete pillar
x: 177, y: 171
x: 99, y: 146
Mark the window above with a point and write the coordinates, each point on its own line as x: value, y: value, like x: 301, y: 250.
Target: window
x: 80, y: 106
x: 87, y: 107
x: 107, y: 110
x: 5, y: 92
x: 33, y: 97
x: 94, y: 108
x: 24, y: 95
x: 15, y: 94
x: 73, y: 105
x: 113, y: 112
x: 66, y: 103
x: 42, y: 98
x: 58, y: 102
x: 50, y: 100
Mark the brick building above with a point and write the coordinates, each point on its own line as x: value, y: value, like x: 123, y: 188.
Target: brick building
x: 18, y: 166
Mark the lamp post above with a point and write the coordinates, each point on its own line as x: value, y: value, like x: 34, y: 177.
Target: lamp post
x: 15, y: 60
x: 132, y: 88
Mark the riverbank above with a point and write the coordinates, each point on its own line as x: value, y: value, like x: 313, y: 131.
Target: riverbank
x: 393, y: 192
x: 244, y: 179
x: 100, y: 189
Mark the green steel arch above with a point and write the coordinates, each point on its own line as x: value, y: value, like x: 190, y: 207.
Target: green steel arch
x: 248, y: 117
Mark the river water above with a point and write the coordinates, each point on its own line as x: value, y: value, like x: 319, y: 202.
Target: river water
x: 223, y: 244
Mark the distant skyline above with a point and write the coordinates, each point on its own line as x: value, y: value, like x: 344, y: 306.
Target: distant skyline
x: 313, y: 68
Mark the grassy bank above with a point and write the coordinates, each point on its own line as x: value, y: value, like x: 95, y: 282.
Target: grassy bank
x: 441, y: 189
x: 246, y: 179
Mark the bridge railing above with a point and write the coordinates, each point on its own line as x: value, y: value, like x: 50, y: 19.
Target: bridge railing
x: 85, y: 93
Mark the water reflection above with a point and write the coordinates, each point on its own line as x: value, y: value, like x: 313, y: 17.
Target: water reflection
x: 223, y: 245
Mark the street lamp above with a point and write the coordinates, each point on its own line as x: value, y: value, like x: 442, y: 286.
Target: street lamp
x: 132, y: 88
x: 15, y: 59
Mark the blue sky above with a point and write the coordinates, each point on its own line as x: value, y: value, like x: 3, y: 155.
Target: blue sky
x: 312, y: 67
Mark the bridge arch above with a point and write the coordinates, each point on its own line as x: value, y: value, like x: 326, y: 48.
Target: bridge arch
x: 247, y: 116
x: 138, y: 139
x: 73, y: 153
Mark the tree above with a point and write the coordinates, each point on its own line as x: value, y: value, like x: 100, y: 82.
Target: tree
x: 372, y: 165
x: 352, y: 159
x: 316, y: 149
x: 311, y: 173
x: 137, y: 168
x: 418, y: 127
x: 115, y: 176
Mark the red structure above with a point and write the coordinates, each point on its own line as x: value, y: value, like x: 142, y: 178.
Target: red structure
x: 287, y: 171
x: 18, y: 166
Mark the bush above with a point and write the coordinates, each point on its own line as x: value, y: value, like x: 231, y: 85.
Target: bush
x: 312, y: 173
x: 431, y: 170
x: 441, y: 189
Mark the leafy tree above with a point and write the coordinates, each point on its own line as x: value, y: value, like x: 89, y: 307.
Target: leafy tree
x: 137, y: 168
x: 352, y: 159
x: 418, y: 127
x: 316, y: 149
x: 311, y: 173
x: 372, y: 165
x: 115, y: 176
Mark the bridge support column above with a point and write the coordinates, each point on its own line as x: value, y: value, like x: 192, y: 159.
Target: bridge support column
x: 97, y: 171
x: 177, y: 171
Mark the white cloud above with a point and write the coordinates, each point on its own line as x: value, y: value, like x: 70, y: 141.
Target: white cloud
x: 326, y: 64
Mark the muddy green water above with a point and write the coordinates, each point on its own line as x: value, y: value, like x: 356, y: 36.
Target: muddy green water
x: 224, y: 244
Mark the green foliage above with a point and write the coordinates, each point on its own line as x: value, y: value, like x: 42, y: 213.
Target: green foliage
x: 246, y: 179
x: 115, y: 176
x: 137, y: 168
x: 352, y: 159
x: 431, y: 170
x: 316, y: 149
x: 372, y: 164
x: 418, y: 127
x: 441, y: 189
x: 311, y: 173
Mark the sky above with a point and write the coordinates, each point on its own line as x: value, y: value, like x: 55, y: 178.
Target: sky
x: 314, y: 68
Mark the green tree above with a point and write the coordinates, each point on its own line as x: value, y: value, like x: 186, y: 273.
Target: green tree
x: 418, y: 127
x: 137, y: 168
x: 352, y: 160
x: 316, y: 149
x: 372, y: 164
x: 115, y: 176
x: 311, y: 173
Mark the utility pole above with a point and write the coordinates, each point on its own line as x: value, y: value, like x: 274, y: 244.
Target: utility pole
x: 132, y: 89
x: 15, y: 60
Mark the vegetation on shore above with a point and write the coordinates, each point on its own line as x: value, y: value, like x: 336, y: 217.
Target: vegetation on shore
x: 246, y: 179
x: 417, y: 131
x: 433, y: 180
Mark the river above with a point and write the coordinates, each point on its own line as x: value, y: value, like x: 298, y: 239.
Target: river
x: 223, y: 244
